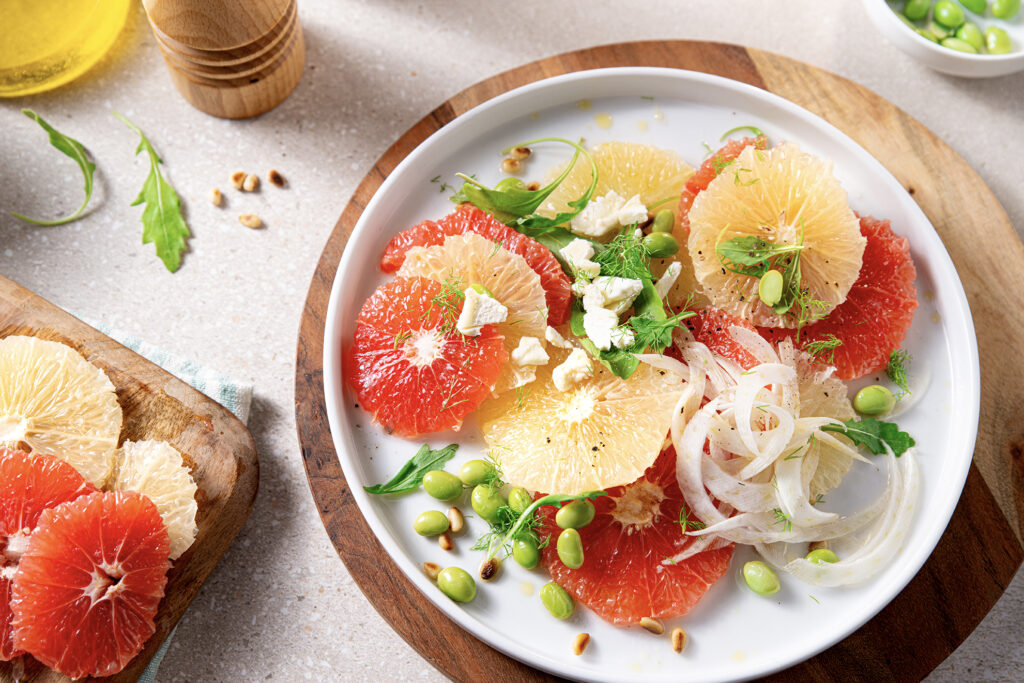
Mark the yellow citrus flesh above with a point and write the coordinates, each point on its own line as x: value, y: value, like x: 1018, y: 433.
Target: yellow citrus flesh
x: 156, y: 470
x: 53, y: 401
x: 472, y: 259
x: 605, y: 432
x: 776, y: 195
x: 822, y: 395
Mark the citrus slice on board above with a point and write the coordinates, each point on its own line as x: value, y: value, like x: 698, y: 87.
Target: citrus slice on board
x: 156, y: 470
x: 604, y: 432
x: 410, y: 367
x: 878, y: 311
x: 786, y: 197
x: 29, y: 484
x: 88, y: 586
x: 472, y: 259
x: 624, y: 576
x: 54, y: 401
x: 468, y: 218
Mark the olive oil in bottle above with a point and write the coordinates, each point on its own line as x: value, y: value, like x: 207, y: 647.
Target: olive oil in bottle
x: 47, y: 43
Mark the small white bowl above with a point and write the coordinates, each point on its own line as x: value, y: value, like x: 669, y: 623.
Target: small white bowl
x: 944, y: 59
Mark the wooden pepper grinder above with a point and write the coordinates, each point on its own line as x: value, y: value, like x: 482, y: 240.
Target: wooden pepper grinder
x: 230, y: 58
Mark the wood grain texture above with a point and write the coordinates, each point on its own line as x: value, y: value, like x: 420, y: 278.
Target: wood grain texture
x: 217, y: 448
x: 981, y: 549
x: 230, y: 58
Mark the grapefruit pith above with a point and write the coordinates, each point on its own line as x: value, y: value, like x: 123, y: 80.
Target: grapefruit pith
x: 411, y: 368
x: 624, y: 577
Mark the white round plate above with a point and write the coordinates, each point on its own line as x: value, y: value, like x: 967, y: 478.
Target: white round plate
x: 734, y: 634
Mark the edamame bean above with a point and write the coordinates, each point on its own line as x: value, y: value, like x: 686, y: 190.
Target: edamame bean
x: 575, y: 515
x: 938, y: 30
x: 519, y: 499
x: 486, y: 502
x: 822, y: 555
x: 431, y: 523
x: 976, y: 6
x: 442, y: 485
x: 1005, y: 9
x: 476, y: 472
x: 525, y: 552
x: 664, y: 221
x: 558, y: 601
x: 958, y: 45
x: 948, y: 13
x: 761, y: 579
x: 970, y: 33
x: 927, y: 35
x: 874, y: 400
x: 997, y: 41
x: 457, y: 584
x: 510, y: 184
x: 661, y: 244
x: 570, y: 548
x: 770, y: 287
x: 916, y: 10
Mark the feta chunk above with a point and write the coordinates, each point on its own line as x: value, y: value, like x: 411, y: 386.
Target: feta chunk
x: 614, y: 293
x: 668, y: 278
x: 529, y: 352
x: 598, y: 324
x: 603, y: 215
x: 479, y: 310
x: 622, y: 337
x: 556, y: 339
x: 578, y: 254
x: 574, y: 370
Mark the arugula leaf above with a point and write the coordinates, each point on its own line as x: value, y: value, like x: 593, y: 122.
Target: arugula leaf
x: 622, y: 363
x: 750, y: 255
x: 162, y: 222
x: 874, y: 435
x: 410, y: 476
x: 72, y: 148
x: 790, y: 285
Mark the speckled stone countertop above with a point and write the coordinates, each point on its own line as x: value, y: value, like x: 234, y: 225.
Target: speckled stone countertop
x: 281, y: 606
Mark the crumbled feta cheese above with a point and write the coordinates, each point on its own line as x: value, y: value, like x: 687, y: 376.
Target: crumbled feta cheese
x: 598, y: 324
x: 529, y: 352
x: 668, y: 278
x: 555, y: 339
x: 578, y: 254
x: 607, y: 213
x: 479, y: 310
x: 622, y: 337
x: 614, y: 293
x: 574, y: 370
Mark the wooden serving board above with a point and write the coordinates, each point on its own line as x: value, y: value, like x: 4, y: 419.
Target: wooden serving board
x: 982, y: 547
x: 216, y: 446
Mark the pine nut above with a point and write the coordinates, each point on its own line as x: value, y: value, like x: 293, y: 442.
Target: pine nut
x: 456, y: 521
x: 275, y: 178
x: 445, y: 541
x: 511, y: 166
x: 520, y: 153
x: 431, y: 569
x: 533, y: 187
x: 251, y: 182
x: 579, y: 643
x: 817, y: 545
x: 250, y: 220
x: 237, y: 179
x: 678, y: 639
x: 489, y: 569
x: 653, y: 625
x: 216, y: 198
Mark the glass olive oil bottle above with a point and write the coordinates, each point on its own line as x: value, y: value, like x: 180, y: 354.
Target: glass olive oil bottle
x: 47, y: 43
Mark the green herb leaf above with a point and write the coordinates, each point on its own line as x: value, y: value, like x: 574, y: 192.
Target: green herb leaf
x: 72, y: 148
x: 749, y: 255
x: 824, y: 349
x: 527, y: 516
x: 753, y: 129
x: 162, y: 222
x: 790, y: 285
x: 656, y: 334
x: 874, y: 435
x: 410, y: 476
x: 896, y: 369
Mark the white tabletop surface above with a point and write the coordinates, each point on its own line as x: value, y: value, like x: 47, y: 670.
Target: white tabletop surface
x: 281, y: 606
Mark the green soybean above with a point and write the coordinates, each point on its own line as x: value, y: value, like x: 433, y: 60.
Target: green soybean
x: 997, y: 41
x: 431, y: 523
x: 570, y: 548
x: 558, y: 601
x: 661, y: 245
x: 442, y: 485
x: 769, y: 289
x: 664, y: 221
x: 1005, y: 9
x: 927, y: 35
x: 761, y: 579
x: 457, y: 584
x: 575, y: 515
x: 970, y: 33
x: 976, y: 6
x: 874, y: 400
x: 510, y: 184
x: 938, y: 30
x: 916, y: 10
x: 476, y: 472
x: 822, y: 555
x: 519, y: 499
x: 526, y: 553
x: 948, y: 13
x: 486, y: 502
x: 958, y: 45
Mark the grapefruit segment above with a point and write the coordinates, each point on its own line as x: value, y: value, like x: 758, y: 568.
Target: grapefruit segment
x: 87, y: 588
x: 637, y: 526
x: 709, y: 169
x: 711, y: 327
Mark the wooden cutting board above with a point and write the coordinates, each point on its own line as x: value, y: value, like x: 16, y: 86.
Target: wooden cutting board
x: 982, y: 547
x: 216, y: 446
